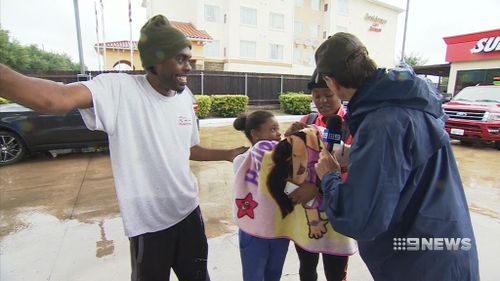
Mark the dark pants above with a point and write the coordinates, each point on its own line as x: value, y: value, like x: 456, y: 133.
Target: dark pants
x: 182, y: 247
x: 262, y: 259
x: 335, y: 266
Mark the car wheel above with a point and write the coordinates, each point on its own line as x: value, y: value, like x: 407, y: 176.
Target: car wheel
x: 12, y: 148
x: 497, y: 145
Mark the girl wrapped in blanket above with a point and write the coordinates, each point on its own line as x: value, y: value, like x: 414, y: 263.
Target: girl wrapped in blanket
x: 262, y: 258
x: 262, y: 210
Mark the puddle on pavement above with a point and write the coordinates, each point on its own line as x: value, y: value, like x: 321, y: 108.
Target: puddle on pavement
x: 69, y: 187
x: 479, y: 168
x: 54, y: 249
x: 104, y: 247
x: 484, y: 211
x: 39, y: 226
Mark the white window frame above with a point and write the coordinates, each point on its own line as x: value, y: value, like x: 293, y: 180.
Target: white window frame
x: 298, y: 54
x: 278, y: 19
x: 343, y: 7
x: 213, y: 49
x: 298, y: 32
x: 341, y: 28
x: 248, y: 20
x: 299, y: 3
x: 246, y: 49
x: 315, y: 31
x: 276, y: 51
x: 316, y: 5
x: 312, y: 60
x: 216, y: 11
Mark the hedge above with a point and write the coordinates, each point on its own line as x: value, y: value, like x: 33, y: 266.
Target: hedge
x: 295, y: 103
x: 229, y: 105
x: 204, y: 105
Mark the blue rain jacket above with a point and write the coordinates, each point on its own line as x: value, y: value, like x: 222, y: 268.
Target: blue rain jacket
x: 403, y: 183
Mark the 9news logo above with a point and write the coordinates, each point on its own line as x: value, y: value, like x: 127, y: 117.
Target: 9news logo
x: 332, y: 136
x: 431, y: 244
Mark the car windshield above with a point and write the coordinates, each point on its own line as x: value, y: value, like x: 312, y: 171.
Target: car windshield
x: 479, y: 94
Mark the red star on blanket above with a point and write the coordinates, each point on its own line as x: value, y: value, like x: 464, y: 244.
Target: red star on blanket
x: 246, y: 206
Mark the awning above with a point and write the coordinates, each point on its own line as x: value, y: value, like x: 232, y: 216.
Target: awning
x: 442, y: 70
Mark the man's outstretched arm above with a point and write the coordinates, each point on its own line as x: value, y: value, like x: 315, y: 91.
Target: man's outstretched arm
x: 199, y: 153
x: 42, y: 95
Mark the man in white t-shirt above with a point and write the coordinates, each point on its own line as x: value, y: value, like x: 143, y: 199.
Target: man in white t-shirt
x: 152, y: 134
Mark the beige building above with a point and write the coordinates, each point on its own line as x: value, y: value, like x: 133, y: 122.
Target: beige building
x: 278, y: 36
x: 373, y: 21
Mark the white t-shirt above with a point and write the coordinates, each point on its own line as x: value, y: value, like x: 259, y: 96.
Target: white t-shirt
x: 238, y: 160
x: 150, y: 137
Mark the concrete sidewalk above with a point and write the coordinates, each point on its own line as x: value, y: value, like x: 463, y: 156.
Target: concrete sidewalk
x: 56, y: 250
x: 224, y: 262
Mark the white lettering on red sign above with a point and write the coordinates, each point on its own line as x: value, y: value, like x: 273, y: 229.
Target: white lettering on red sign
x: 486, y: 45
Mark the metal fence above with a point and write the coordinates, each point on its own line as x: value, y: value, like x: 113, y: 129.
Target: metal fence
x: 261, y: 88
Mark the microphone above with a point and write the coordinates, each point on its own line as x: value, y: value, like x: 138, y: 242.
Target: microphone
x: 333, y: 133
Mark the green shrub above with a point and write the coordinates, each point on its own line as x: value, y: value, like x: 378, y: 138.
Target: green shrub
x: 204, y: 105
x: 229, y: 105
x: 295, y: 103
x: 4, y: 101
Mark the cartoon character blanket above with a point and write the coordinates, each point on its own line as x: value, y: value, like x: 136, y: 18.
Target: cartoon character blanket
x: 262, y: 209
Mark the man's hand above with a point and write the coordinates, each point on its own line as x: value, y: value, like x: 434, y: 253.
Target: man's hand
x: 200, y: 153
x: 327, y: 163
x: 305, y: 193
x: 295, y: 127
x: 232, y: 153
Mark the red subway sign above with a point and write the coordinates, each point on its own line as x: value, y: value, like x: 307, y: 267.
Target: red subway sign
x: 474, y: 46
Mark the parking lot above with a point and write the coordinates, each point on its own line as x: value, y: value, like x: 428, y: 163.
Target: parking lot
x: 60, y: 218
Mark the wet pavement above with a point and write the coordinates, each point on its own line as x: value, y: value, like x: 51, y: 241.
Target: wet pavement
x: 59, y: 218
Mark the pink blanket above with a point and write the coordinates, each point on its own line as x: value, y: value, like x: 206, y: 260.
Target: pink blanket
x: 257, y: 213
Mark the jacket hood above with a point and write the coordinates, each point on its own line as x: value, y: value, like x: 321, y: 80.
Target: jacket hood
x: 398, y: 87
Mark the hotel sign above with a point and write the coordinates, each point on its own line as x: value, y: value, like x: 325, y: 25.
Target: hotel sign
x: 375, y: 19
x: 377, y: 22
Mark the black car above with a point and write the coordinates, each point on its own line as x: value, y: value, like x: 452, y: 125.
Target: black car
x: 24, y: 132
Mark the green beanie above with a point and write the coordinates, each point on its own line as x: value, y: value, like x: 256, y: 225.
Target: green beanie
x: 160, y: 41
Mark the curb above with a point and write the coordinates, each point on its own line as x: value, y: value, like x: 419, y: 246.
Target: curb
x: 218, y: 122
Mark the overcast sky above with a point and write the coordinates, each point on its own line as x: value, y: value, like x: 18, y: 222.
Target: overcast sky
x: 50, y: 24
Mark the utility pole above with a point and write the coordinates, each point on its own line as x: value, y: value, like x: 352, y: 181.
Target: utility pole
x: 130, y: 41
x: 79, y: 37
x: 103, y: 37
x: 0, y: 13
x: 404, y: 31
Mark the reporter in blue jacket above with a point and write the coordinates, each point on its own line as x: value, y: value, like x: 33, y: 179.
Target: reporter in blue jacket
x: 403, y: 200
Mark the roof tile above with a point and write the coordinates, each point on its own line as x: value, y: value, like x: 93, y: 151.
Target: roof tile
x: 190, y: 31
x: 187, y: 28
